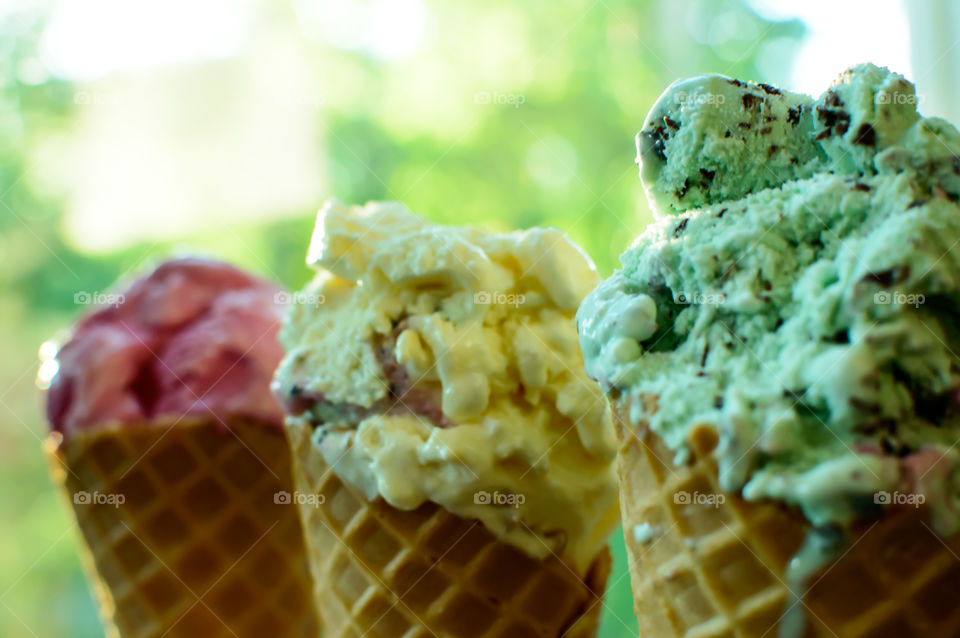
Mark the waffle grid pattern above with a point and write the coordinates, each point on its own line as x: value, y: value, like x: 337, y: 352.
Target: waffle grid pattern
x: 717, y: 571
x: 198, y: 520
x: 387, y: 573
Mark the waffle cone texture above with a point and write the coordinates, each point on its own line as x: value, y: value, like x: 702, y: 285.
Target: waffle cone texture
x: 712, y: 570
x: 386, y: 573
x: 184, y: 537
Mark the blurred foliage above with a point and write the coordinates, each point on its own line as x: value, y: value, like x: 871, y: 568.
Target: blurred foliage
x: 511, y: 116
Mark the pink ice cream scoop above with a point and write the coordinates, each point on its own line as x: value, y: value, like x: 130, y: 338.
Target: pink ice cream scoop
x: 194, y: 337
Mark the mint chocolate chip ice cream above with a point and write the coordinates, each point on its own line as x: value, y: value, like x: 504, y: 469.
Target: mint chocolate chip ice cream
x: 711, y: 138
x: 799, y: 292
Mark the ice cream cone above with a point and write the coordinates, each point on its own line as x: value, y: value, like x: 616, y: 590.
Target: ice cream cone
x: 426, y: 572
x: 184, y: 531
x: 717, y: 568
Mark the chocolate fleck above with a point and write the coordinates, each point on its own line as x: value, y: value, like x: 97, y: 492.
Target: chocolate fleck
x: 657, y: 140
x: 707, y: 175
x: 860, y: 186
x: 681, y: 227
x: 865, y: 135
x: 721, y: 213
x: 793, y: 116
x: 769, y: 90
x: 671, y: 123
x: 750, y: 101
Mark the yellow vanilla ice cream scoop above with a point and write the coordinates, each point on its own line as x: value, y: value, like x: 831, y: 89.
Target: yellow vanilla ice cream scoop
x: 442, y: 364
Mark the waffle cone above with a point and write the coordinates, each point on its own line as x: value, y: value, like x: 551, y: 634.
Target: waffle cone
x: 182, y: 533
x: 719, y: 570
x: 384, y: 572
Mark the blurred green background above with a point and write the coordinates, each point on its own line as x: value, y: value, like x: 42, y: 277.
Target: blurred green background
x: 133, y: 130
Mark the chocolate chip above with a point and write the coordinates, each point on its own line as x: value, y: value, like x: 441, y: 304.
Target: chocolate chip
x: 703, y: 359
x: 916, y: 202
x: 822, y: 134
x: 707, y: 175
x: 681, y: 227
x: 773, y: 149
x: 737, y: 83
x: 769, y: 90
x: 669, y: 122
x: 793, y: 116
x: 865, y: 135
x: 860, y: 186
x: 750, y: 101
x: 683, y: 189
x: 728, y: 133
x: 842, y: 336
x: 765, y: 130
x: 718, y: 402
x: 721, y: 213
x: 745, y: 125
x: 657, y: 140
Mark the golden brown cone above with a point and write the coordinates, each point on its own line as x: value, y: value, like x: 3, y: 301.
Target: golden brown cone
x: 383, y: 572
x: 198, y: 547
x: 709, y: 571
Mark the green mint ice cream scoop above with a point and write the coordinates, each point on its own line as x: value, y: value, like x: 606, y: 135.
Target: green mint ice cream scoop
x: 799, y: 292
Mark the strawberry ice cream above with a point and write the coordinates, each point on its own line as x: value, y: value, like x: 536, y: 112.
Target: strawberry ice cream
x: 194, y: 337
